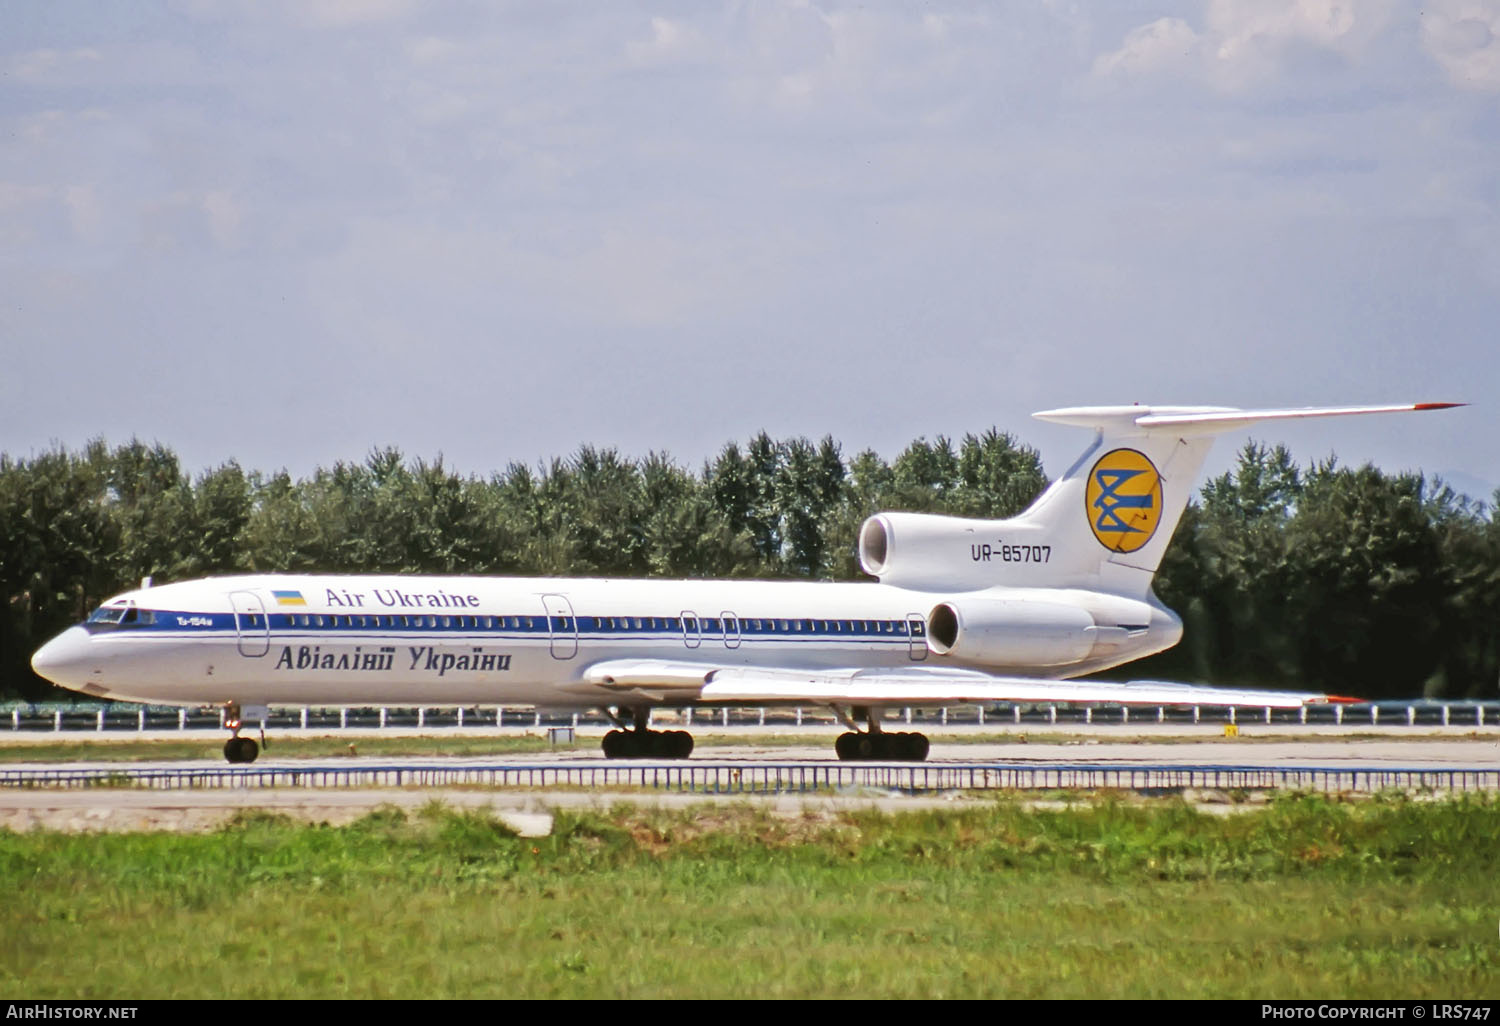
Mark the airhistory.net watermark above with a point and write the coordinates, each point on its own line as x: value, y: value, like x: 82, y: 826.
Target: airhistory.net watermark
x: 49, y: 1010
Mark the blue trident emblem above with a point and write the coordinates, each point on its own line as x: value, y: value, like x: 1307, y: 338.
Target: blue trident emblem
x: 1110, y: 500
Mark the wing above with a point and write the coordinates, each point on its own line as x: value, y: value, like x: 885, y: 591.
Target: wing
x: 665, y: 680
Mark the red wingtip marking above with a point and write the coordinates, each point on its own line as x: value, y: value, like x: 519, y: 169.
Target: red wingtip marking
x: 1437, y: 406
x: 1342, y: 698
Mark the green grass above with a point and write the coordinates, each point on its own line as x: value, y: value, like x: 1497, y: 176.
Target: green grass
x: 333, y: 746
x: 322, y: 748
x: 1307, y: 898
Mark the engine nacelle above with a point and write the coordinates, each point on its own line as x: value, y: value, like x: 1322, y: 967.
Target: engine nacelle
x: 1020, y: 633
x: 931, y: 552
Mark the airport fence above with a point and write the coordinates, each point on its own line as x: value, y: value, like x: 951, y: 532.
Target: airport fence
x: 794, y: 777
x: 123, y: 717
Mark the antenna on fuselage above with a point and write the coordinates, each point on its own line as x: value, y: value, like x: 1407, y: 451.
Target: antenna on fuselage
x: 145, y: 583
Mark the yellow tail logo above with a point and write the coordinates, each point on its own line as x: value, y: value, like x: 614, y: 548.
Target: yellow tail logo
x: 1123, y: 500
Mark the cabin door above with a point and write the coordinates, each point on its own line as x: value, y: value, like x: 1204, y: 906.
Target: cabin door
x: 562, y: 626
x: 916, y: 635
x: 692, y: 629
x: 252, y: 627
x: 731, y: 628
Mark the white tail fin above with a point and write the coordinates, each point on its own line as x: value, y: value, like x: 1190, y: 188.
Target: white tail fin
x: 1103, y: 525
x: 1118, y: 505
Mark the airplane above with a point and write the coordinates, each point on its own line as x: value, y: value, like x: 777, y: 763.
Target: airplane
x: 964, y: 611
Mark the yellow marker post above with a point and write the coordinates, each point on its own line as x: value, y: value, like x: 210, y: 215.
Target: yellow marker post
x: 1231, y: 730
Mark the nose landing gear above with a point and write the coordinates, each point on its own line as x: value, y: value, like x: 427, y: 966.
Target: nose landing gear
x: 241, y: 749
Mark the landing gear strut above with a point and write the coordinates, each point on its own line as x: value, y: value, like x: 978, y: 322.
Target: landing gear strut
x: 876, y: 744
x: 641, y: 742
x: 239, y: 749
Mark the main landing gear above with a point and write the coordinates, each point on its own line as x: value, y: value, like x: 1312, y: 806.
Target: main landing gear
x: 641, y: 742
x: 875, y: 744
x: 239, y: 749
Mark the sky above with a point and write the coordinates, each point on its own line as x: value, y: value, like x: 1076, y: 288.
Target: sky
x: 288, y: 232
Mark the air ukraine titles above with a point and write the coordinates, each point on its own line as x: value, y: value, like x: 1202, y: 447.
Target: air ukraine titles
x: 427, y: 658
x: 392, y: 597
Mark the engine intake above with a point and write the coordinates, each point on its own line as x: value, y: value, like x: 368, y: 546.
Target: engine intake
x: 935, y: 552
x: 1018, y: 633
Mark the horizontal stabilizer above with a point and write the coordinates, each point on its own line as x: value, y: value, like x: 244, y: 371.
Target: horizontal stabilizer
x: 1208, y: 419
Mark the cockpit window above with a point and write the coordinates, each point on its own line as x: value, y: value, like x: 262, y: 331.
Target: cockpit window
x: 123, y: 616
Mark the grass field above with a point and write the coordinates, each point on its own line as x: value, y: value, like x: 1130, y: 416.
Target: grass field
x: 332, y: 746
x: 1307, y: 898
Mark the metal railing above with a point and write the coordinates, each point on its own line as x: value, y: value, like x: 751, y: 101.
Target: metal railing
x: 720, y: 777
x: 122, y: 717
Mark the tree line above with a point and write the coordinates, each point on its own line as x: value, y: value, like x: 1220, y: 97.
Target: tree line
x: 1325, y: 577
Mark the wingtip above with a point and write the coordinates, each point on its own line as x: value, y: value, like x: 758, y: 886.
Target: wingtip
x: 1437, y: 406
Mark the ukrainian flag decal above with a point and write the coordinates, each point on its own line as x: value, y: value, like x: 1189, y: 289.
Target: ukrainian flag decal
x: 1123, y: 500
x: 289, y: 598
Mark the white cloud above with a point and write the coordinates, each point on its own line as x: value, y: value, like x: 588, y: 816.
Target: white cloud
x: 346, y: 13
x: 671, y: 41
x: 1159, y: 46
x: 47, y: 65
x: 1463, y: 36
x: 321, y: 14
x: 1239, y: 27
x: 1244, y: 43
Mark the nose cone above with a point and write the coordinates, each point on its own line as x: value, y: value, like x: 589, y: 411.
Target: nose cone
x: 65, y: 659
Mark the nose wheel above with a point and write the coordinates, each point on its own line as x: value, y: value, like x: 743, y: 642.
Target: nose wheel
x: 240, y: 749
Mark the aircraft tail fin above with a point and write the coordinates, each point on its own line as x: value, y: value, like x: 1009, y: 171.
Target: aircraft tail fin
x: 1119, y: 504
x: 1103, y: 525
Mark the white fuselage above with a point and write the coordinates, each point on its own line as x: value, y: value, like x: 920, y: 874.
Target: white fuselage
x: 318, y: 639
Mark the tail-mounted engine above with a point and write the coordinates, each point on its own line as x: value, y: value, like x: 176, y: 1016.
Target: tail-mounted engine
x: 1011, y: 632
x: 931, y: 552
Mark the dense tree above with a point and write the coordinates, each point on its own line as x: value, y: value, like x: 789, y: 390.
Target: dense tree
x: 1329, y: 577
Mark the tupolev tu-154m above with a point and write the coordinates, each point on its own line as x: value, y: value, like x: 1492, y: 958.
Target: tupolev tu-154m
x: 964, y: 611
